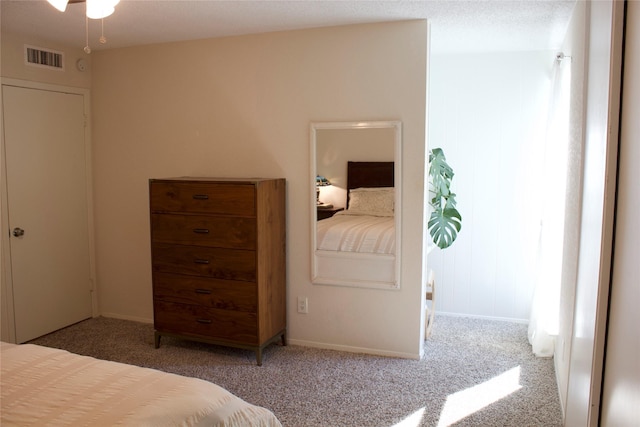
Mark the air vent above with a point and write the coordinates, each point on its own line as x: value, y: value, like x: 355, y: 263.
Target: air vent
x: 45, y: 58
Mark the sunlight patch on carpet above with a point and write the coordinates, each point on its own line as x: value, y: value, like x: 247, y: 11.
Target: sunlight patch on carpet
x: 412, y: 420
x: 464, y: 403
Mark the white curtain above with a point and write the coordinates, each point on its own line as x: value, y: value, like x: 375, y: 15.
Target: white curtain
x: 543, y: 323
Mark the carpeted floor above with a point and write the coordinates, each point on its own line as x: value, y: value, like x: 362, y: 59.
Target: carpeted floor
x: 474, y: 373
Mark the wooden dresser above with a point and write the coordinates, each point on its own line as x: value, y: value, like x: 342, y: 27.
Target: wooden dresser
x: 218, y: 260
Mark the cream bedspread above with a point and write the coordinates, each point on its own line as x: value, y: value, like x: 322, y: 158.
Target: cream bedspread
x: 45, y: 386
x: 357, y: 233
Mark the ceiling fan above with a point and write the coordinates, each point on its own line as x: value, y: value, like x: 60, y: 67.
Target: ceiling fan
x: 96, y: 9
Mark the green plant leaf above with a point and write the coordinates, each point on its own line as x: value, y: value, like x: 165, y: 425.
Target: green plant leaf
x: 451, y: 200
x: 445, y: 221
x: 444, y: 226
x: 440, y: 172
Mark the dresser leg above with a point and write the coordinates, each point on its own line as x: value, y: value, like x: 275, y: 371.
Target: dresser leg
x: 284, y: 339
x: 157, y: 339
x: 259, y: 356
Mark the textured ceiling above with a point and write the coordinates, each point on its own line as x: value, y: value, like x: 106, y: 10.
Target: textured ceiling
x: 457, y: 26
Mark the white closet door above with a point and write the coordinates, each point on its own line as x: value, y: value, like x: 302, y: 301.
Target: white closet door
x: 47, y: 199
x: 621, y: 387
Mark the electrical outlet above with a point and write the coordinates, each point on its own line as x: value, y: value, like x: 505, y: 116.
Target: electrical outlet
x: 303, y: 305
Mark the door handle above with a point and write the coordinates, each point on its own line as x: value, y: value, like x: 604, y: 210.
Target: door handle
x: 18, y: 232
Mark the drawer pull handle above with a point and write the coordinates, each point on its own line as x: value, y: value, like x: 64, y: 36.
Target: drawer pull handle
x: 201, y: 261
x: 201, y: 230
x: 204, y: 321
x: 203, y: 291
x: 201, y: 196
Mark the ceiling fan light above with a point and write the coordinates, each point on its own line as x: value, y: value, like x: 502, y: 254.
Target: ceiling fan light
x: 61, y: 5
x: 98, y: 9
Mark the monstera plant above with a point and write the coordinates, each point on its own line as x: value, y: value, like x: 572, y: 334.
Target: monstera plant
x: 445, y: 221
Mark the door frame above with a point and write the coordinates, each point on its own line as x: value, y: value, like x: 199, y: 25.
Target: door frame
x: 6, y: 282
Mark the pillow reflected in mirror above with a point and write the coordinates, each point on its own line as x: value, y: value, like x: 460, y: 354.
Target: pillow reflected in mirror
x: 371, y: 201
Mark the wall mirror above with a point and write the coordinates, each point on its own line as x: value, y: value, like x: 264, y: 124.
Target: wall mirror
x: 355, y: 190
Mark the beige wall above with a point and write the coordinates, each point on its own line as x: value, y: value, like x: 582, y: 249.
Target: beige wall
x: 241, y: 106
x: 13, y: 64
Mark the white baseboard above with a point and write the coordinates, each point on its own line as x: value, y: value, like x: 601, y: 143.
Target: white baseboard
x: 125, y: 317
x: 351, y: 349
x: 560, y: 394
x: 475, y: 316
x: 302, y: 343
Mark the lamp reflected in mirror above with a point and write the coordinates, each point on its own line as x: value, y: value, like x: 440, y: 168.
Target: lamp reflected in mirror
x: 321, y: 181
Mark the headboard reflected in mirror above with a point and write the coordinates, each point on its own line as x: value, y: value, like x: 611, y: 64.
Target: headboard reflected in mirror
x: 369, y: 175
x: 355, y: 220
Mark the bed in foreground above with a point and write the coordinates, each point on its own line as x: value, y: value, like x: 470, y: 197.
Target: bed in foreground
x: 45, y: 386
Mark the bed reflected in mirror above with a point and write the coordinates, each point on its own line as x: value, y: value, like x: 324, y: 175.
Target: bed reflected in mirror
x: 355, y: 201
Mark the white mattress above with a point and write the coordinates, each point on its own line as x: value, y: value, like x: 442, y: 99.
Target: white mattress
x: 45, y: 386
x: 357, y: 233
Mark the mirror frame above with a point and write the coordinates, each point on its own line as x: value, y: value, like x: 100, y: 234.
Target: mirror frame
x: 396, y: 125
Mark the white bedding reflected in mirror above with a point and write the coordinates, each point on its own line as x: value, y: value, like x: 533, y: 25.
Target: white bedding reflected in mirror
x: 355, y: 201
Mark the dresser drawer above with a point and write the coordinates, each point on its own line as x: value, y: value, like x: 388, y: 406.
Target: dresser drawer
x: 230, y: 264
x: 225, y: 199
x: 201, y: 230
x: 201, y: 321
x: 213, y: 293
